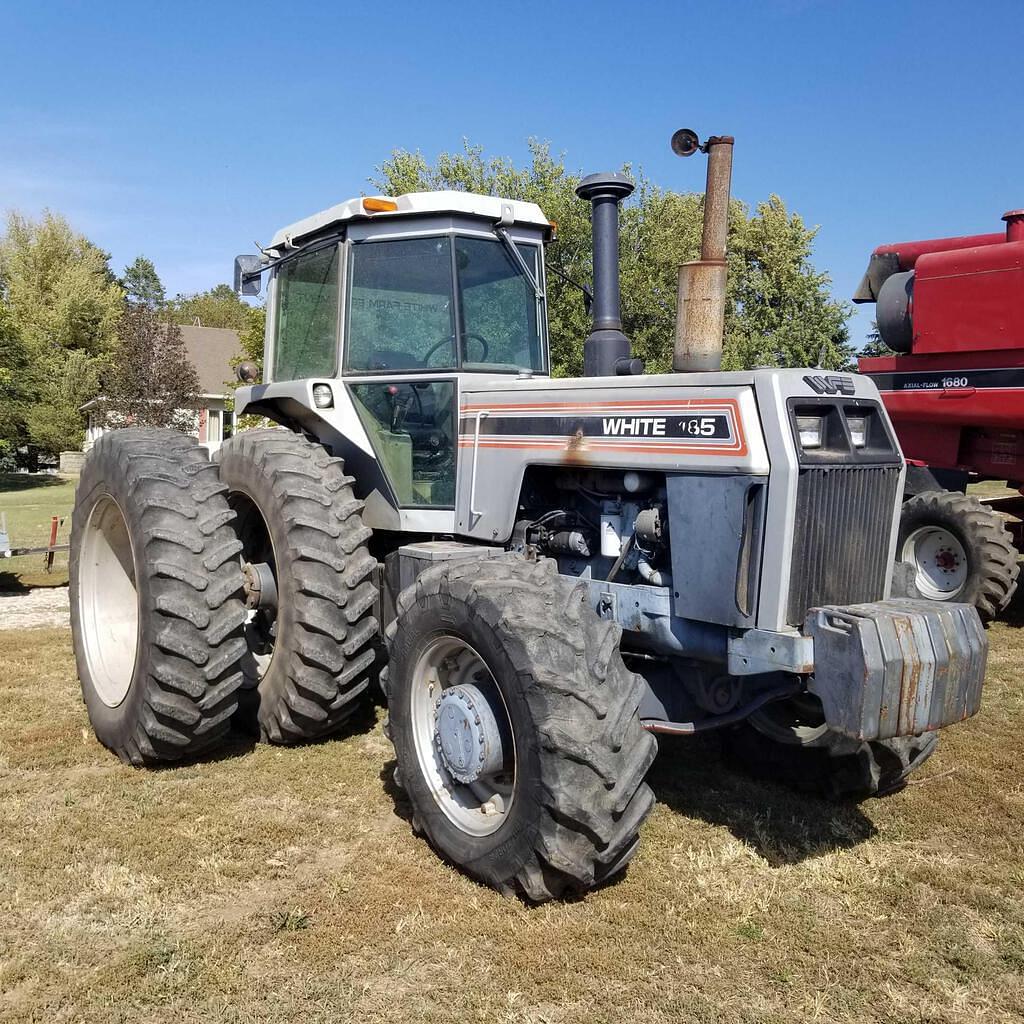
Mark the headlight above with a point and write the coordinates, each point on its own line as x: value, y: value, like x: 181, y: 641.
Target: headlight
x: 809, y: 429
x: 323, y: 398
x: 858, y: 430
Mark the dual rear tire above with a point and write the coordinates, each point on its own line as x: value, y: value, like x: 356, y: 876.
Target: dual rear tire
x: 169, y: 655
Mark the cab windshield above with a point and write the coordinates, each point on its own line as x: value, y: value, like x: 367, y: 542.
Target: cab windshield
x: 443, y: 303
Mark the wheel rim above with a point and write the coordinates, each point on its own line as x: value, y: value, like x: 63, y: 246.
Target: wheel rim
x: 462, y: 734
x: 108, y: 602
x: 939, y: 560
x: 260, y: 623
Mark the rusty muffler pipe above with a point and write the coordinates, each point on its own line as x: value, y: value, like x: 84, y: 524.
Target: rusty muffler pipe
x: 700, y: 313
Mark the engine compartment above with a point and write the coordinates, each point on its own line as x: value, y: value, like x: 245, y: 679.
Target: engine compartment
x: 599, y: 524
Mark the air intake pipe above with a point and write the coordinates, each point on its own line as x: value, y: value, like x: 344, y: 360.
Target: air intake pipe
x: 606, y: 351
x: 700, y: 310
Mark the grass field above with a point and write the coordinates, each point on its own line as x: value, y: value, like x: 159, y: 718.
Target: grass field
x: 29, y: 502
x: 280, y: 885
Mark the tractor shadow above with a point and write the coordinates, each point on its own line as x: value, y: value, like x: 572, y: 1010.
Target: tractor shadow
x: 694, y: 777
x: 11, y: 483
x: 394, y: 792
x: 10, y: 583
x: 244, y: 739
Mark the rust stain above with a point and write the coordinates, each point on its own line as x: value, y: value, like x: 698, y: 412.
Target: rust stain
x: 577, y: 440
x: 576, y: 450
x: 911, y: 674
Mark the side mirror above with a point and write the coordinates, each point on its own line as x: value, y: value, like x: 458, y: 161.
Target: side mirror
x: 247, y: 275
x: 685, y: 142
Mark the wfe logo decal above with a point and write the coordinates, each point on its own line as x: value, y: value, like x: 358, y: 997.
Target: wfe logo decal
x: 831, y: 385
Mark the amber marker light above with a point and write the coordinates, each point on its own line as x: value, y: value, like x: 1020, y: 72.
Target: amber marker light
x: 379, y: 205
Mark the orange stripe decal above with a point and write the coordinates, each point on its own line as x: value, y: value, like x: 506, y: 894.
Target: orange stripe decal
x: 594, y: 444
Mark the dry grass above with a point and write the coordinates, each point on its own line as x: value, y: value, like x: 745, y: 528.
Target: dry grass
x: 275, y: 885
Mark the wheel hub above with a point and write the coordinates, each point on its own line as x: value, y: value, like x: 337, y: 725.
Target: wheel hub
x: 260, y: 585
x: 940, y: 562
x: 466, y: 734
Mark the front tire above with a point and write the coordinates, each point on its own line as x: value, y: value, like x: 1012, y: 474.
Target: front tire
x: 554, y: 750
x: 960, y: 551
x: 156, y: 597
x: 788, y: 742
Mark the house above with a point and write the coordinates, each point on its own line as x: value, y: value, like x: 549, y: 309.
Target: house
x: 211, y: 351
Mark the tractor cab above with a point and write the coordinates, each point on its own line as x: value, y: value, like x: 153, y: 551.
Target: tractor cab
x: 379, y: 304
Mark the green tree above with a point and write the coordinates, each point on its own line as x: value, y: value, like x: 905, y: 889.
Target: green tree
x: 251, y: 337
x: 14, y: 386
x: 61, y: 305
x: 779, y: 310
x: 58, y: 285
x: 150, y: 381
x: 142, y: 284
x: 218, y: 307
x: 252, y: 351
x: 53, y: 420
x: 874, y: 346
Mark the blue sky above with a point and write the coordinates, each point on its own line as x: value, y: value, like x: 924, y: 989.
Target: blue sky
x: 186, y: 130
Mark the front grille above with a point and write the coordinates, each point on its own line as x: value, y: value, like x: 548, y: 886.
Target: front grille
x: 841, y: 539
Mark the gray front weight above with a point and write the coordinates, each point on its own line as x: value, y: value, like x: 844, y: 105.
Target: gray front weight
x: 897, y: 667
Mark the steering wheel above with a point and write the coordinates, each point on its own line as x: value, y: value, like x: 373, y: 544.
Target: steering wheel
x: 447, y: 341
x: 483, y: 344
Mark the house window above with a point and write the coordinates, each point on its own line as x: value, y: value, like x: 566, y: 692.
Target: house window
x: 214, y: 430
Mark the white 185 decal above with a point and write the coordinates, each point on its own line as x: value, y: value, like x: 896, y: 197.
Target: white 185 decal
x: 699, y: 426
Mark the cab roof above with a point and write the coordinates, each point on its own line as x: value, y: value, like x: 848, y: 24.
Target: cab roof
x: 469, y: 204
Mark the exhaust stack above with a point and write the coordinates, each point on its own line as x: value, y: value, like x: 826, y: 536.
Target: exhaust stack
x: 606, y: 351
x: 700, y: 312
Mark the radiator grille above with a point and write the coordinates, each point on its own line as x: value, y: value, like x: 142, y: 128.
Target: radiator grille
x: 841, y: 541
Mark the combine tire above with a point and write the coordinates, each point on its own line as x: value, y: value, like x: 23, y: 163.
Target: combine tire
x: 515, y: 727
x: 156, y: 596
x: 310, y: 650
x: 960, y: 551
x: 788, y: 742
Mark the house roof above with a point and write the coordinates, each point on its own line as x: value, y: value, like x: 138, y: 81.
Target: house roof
x: 210, y: 350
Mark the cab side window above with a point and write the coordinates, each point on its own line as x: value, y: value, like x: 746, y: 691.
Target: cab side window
x: 306, y: 332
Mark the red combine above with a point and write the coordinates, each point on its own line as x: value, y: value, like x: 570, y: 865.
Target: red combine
x: 952, y: 311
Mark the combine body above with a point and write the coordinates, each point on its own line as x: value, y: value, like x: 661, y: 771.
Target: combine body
x: 952, y: 309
